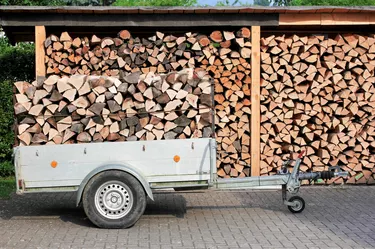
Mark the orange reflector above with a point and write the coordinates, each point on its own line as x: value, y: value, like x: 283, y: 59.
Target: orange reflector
x: 176, y: 158
x: 53, y: 164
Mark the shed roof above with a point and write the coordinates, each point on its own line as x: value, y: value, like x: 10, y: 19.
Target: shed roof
x: 184, y: 10
x: 18, y: 21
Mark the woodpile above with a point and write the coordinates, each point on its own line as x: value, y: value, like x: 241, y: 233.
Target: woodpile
x: 318, y: 95
x: 224, y: 55
x: 231, y: 72
x: 83, y: 109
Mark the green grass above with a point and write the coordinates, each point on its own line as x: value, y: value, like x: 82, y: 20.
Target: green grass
x: 7, y: 186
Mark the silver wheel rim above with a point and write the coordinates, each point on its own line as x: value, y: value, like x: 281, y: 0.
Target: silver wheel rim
x: 114, y: 200
x: 297, y: 205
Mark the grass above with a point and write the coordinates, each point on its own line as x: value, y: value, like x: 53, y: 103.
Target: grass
x: 7, y: 186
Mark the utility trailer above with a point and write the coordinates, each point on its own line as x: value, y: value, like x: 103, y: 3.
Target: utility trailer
x: 113, y: 180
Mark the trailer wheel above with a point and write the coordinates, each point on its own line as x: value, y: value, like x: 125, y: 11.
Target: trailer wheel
x: 298, y: 204
x: 114, y: 199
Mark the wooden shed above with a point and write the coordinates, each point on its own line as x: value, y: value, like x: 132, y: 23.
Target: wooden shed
x: 308, y: 72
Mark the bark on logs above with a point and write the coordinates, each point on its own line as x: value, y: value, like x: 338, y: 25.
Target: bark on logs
x: 318, y: 95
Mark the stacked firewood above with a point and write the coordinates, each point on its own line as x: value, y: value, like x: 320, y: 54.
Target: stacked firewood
x: 231, y: 72
x: 82, y: 109
x: 224, y: 55
x: 318, y: 95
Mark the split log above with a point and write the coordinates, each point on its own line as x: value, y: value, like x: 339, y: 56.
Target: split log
x: 127, y: 57
x: 301, y: 110
x: 74, y: 115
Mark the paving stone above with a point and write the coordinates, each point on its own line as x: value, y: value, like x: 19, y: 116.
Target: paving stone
x: 335, y: 217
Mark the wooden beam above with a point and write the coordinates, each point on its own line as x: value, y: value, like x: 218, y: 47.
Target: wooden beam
x: 255, y: 101
x: 137, y: 20
x: 327, y: 19
x: 345, y: 19
x: 40, y: 67
x: 298, y: 19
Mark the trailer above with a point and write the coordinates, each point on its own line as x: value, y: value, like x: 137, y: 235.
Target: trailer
x: 114, y: 180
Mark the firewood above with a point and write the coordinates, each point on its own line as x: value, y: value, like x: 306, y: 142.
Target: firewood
x: 164, y: 100
x: 77, y: 81
x: 23, y: 99
x: 81, y: 102
x: 172, y: 105
x: 245, y: 53
x: 95, y: 40
x: 19, y: 109
x: 114, y: 128
x: 304, y: 111
x: 244, y: 32
x: 192, y: 100
x: 84, y: 137
x: 228, y: 35
x: 84, y: 89
x: 25, y: 138
x: 124, y: 34
x: 39, y: 138
x: 70, y: 94
x: 62, y: 85
x: 57, y: 46
x: 36, y: 110
x: 113, y: 137
x: 106, y: 42
x: 65, y: 37
x: 216, y: 36
x: 148, y: 93
x: 171, y: 116
x: 22, y: 128
x: 22, y: 86
x: 62, y: 127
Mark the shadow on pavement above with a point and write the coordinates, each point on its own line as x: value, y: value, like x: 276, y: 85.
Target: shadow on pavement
x: 62, y: 206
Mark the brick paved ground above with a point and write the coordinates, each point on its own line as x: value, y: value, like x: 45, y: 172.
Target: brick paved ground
x: 335, y: 217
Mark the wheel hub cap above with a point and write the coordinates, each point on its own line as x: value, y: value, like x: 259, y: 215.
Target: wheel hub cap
x: 113, y: 199
x: 297, y: 205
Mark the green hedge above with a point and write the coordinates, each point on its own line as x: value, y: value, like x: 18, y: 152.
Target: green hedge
x: 16, y: 64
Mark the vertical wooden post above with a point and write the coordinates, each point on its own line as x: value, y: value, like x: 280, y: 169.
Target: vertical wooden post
x: 255, y: 101
x: 40, y: 67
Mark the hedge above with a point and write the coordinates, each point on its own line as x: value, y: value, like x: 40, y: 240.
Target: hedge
x: 16, y: 64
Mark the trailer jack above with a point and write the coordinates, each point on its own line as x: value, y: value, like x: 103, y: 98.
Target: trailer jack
x: 289, y: 181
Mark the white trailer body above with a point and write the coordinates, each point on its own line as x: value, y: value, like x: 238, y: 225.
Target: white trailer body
x: 113, y: 180
x: 163, y: 163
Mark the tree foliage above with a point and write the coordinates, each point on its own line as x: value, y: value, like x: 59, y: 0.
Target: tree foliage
x: 242, y: 3
x: 281, y: 2
x: 16, y: 64
x: 323, y: 2
x: 33, y: 2
x: 89, y: 2
x: 227, y: 3
x: 332, y: 2
x: 262, y: 2
x: 57, y: 2
x: 155, y: 2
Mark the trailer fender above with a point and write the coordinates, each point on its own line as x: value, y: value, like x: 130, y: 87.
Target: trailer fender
x: 126, y: 168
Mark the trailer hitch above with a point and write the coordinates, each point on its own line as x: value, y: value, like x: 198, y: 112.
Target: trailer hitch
x: 289, y: 181
x: 296, y: 204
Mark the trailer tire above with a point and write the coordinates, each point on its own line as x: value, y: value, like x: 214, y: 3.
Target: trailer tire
x: 299, y: 204
x: 114, y: 199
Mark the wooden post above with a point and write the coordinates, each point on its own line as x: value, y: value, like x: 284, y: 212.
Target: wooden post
x: 255, y: 101
x: 40, y: 67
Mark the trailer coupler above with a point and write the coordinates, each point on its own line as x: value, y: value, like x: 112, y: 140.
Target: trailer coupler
x: 289, y: 181
x: 296, y: 204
